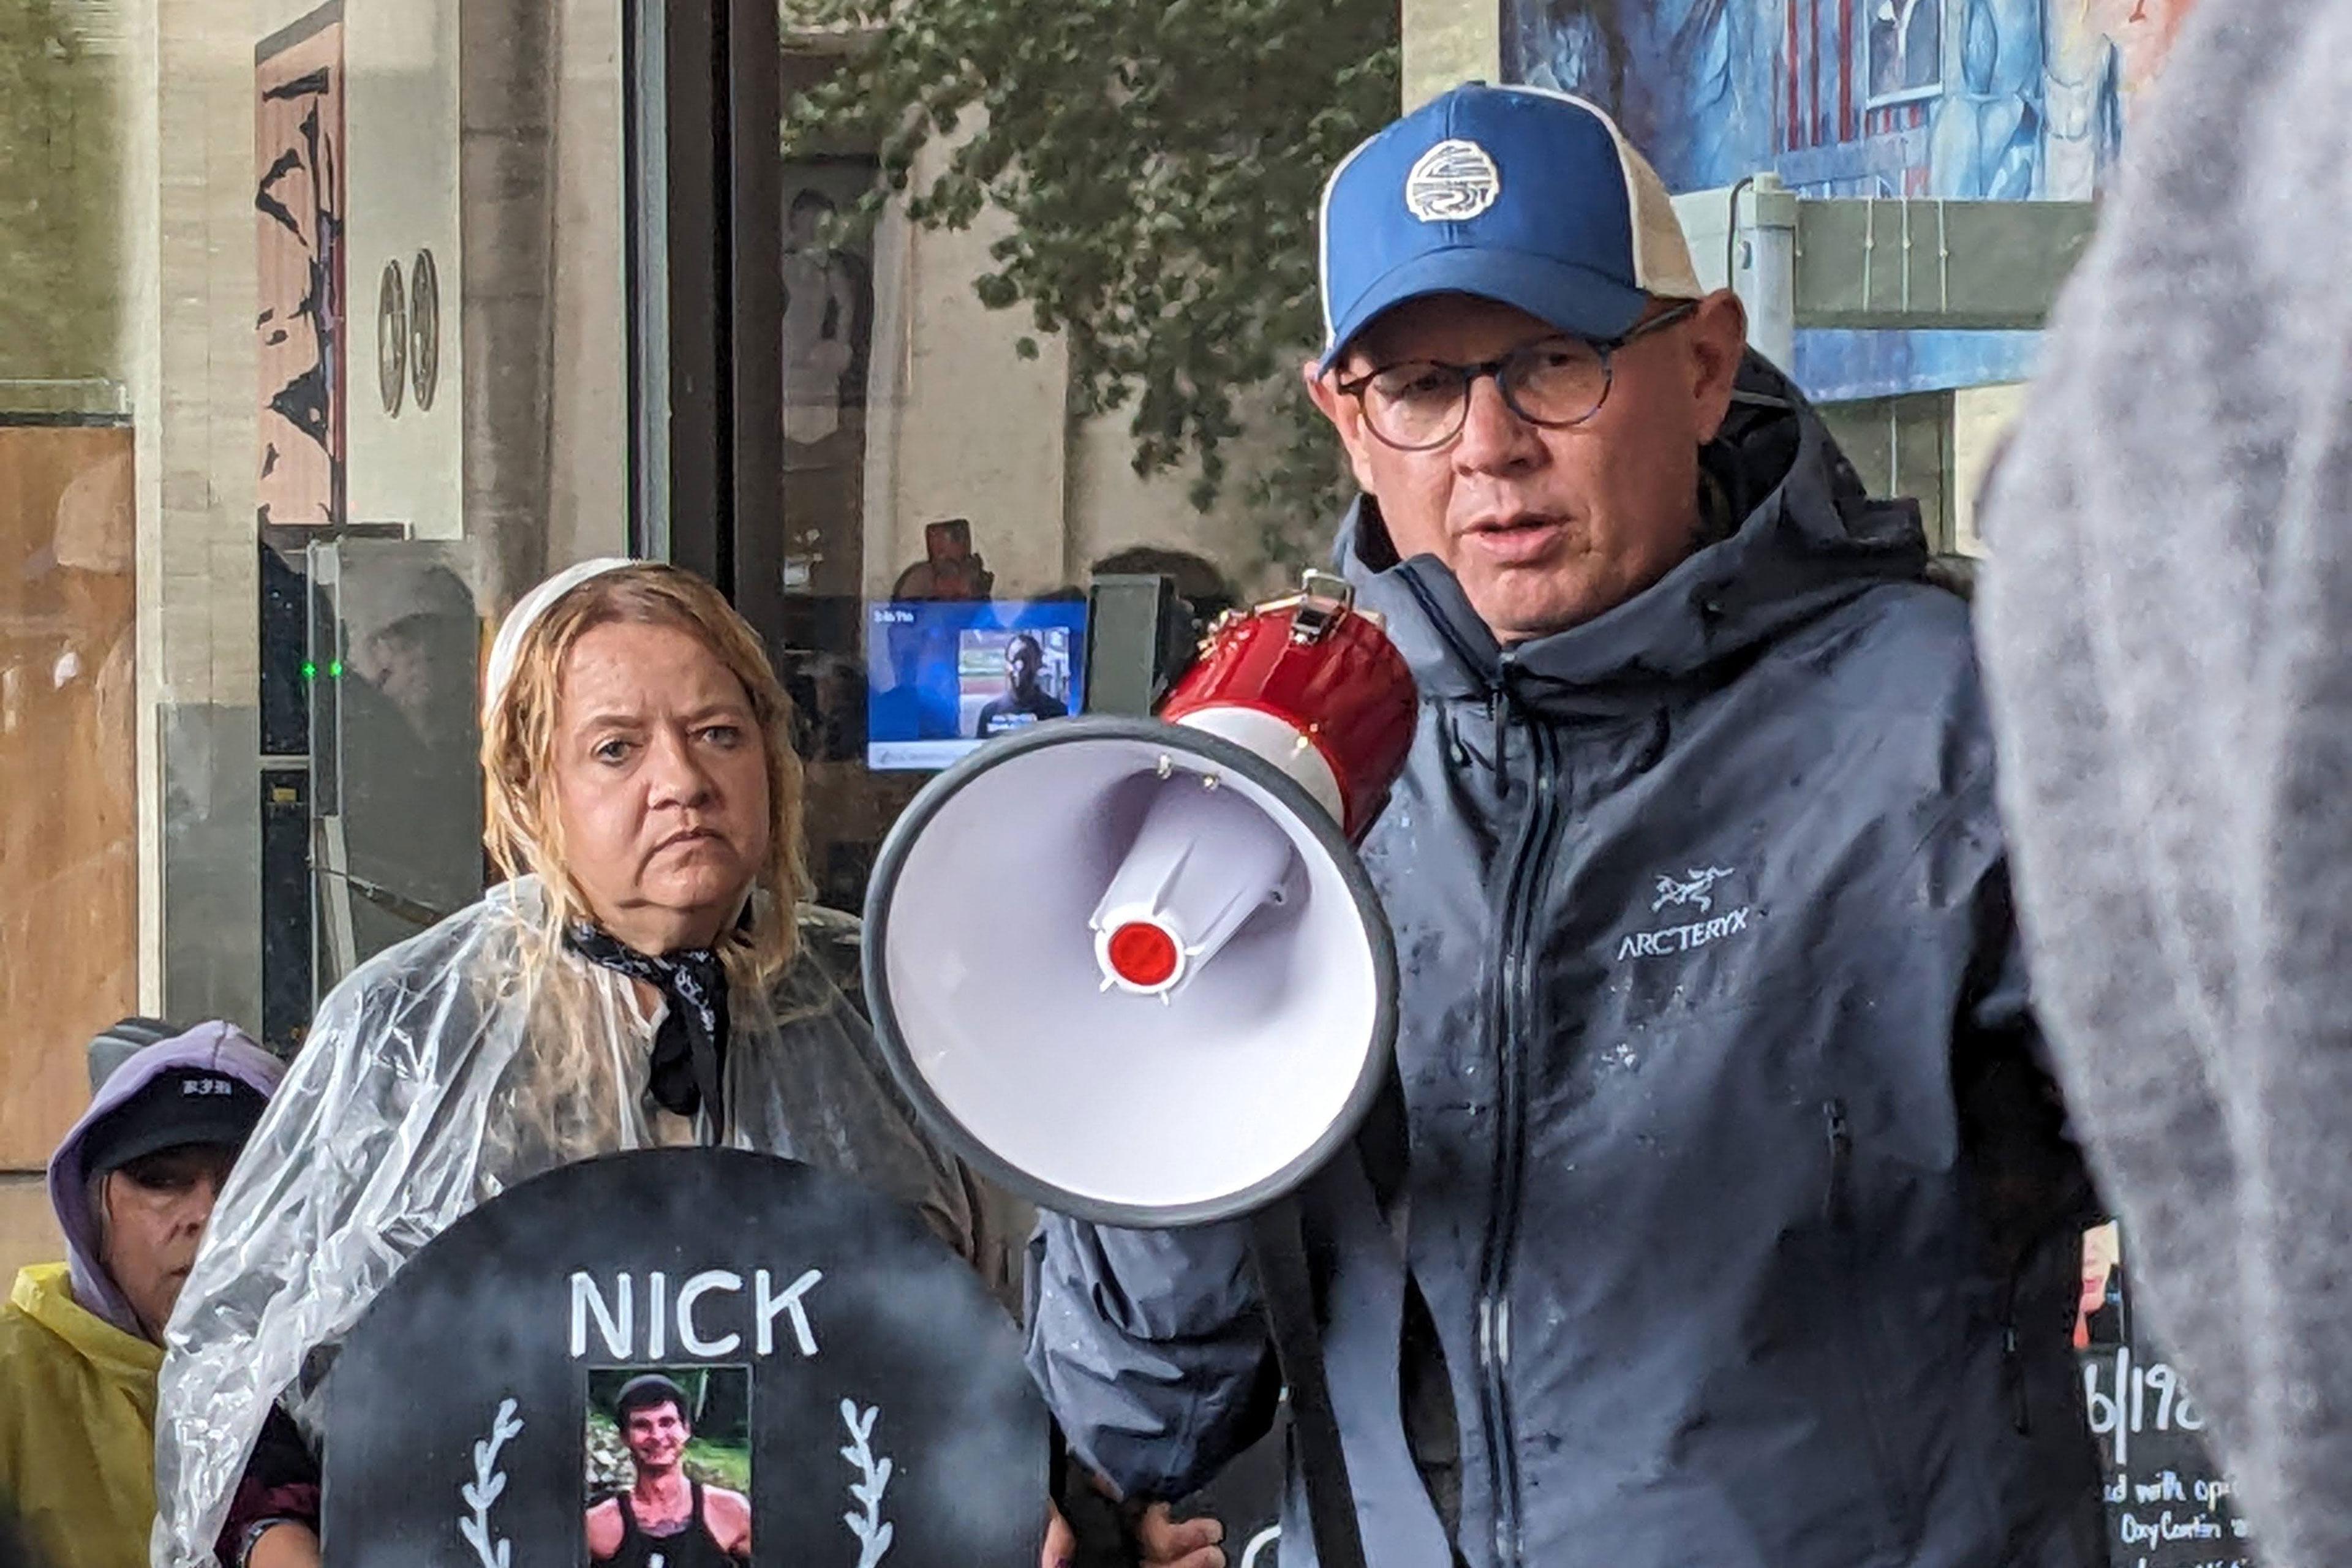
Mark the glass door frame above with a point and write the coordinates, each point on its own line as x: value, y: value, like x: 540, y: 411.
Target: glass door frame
x: 706, y: 233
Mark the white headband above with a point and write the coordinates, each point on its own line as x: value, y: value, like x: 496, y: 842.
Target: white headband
x: 500, y: 674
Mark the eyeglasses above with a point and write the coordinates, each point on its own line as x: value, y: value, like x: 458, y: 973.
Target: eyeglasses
x: 1419, y: 405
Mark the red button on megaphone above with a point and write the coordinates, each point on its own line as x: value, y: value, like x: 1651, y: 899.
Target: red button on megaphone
x: 1314, y: 688
x: 1098, y: 929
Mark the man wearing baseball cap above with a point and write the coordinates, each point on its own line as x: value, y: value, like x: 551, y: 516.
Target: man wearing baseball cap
x: 133, y: 1185
x: 1736, y: 1221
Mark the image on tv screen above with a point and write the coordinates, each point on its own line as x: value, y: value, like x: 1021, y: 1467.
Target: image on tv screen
x: 941, y: 677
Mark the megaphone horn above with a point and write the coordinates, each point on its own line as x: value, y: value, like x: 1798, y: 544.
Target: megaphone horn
x: 1095, y: 929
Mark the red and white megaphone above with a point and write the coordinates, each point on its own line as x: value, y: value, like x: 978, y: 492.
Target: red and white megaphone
x: 1131, y: 968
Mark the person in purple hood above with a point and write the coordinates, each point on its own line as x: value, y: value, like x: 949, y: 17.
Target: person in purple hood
x: 81, y: 1341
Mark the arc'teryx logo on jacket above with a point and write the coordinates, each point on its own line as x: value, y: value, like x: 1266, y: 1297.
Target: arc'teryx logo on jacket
x: 1694, y: 889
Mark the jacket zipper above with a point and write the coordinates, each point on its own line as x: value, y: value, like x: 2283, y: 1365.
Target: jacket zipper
x: 1838, y: 1210
x: 2012, y: 1368
x: 1834, y: 1208
x: 1513, y: 1022
x: 1513, y: 1016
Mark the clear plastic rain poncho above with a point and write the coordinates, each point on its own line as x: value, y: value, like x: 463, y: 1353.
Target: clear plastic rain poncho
x: 444, y: 1071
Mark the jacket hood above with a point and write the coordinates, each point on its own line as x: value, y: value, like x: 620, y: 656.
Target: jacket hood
x: 1806, y: 537
x: 215, y: 1046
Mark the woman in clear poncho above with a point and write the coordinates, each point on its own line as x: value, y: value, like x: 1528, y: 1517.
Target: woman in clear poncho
x: 645, y: 977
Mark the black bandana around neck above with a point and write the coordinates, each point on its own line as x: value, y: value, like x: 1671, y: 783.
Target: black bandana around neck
x: 690, y: 1048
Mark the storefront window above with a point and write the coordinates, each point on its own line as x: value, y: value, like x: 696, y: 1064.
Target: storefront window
x: 328, y: 329
x: 313, y: 352
x: 69, y: 581
x: 1042, y: 320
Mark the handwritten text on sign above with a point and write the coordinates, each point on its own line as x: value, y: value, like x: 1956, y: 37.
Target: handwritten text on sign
x: 2136, y: 1399
x: 714, y: 1297
x: 2147, y: 1518
x: 2166, y: 1506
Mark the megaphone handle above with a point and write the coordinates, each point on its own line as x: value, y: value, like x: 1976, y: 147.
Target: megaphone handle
x: 1278, y: 1251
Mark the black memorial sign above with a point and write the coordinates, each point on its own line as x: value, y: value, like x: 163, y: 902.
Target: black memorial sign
x: 840, y: 1389
x: 2168, y: 1505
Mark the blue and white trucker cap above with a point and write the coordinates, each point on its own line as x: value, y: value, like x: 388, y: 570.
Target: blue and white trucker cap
x: 1514, y: 193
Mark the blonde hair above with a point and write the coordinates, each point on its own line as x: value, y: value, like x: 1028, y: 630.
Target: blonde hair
x: 525, y: 829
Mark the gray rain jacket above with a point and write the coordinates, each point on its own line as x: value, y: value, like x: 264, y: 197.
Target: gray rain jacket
x: 1743, y: 1212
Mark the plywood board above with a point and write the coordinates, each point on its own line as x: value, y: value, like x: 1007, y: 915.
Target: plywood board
x: 29, y: 1228
x: 69, y: 824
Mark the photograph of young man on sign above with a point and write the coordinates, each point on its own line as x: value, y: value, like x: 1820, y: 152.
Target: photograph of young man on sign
x: 673, y: 1507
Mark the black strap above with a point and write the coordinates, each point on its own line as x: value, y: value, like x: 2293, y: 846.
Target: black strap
x: 1432, y: 1433
x: 1278, y: 1250
x: 688, y: 1072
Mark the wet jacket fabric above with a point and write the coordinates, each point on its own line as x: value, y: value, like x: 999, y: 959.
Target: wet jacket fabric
x: 77, y: 1427
x: 440, y: 1073
x: 77, y: 1378
x: 1741, y: 1207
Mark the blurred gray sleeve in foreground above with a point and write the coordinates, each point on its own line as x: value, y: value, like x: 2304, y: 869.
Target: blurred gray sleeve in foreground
x: 2166, y: 628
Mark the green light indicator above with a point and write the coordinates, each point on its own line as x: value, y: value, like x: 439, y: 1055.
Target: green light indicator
x: 309, y: 671
x: 335, y: 670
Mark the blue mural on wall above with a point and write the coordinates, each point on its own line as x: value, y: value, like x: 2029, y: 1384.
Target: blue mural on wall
x: 2008, y: 99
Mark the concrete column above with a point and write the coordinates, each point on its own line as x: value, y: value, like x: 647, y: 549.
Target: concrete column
x: 1447, y: 42
x: 195, y: 381
x: 509, y: 51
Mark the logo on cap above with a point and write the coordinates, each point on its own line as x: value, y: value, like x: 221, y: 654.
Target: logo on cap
x: 1452, y: 181
x: 206, y: 1087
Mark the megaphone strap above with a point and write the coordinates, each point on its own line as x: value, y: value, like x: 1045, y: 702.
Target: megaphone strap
x: 1279, y: 1251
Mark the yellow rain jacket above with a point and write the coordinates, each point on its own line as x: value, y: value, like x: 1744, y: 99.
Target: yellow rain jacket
x: 76, y: 1382
x: 77, y: 1427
